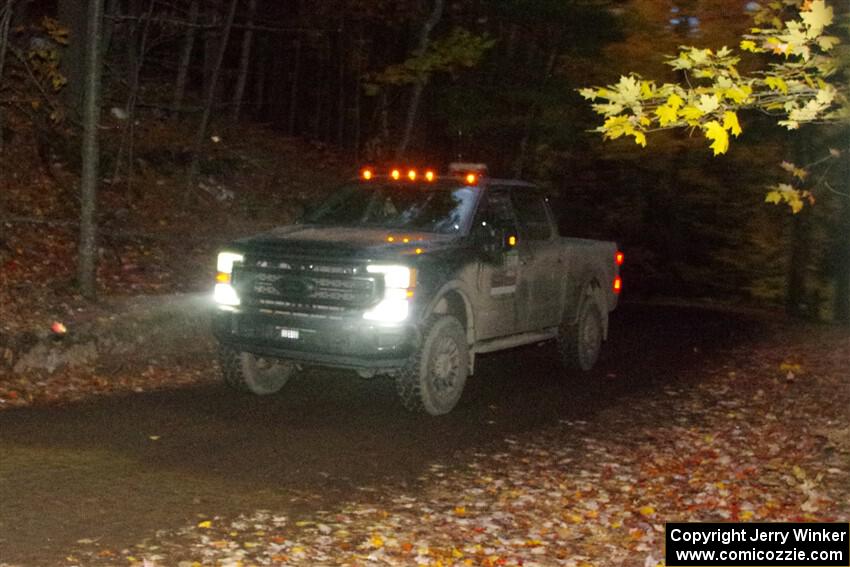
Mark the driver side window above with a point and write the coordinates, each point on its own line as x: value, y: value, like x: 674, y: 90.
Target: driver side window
x: 494, y: 218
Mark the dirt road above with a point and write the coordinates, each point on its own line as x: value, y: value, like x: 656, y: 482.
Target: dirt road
x: 114, y: 470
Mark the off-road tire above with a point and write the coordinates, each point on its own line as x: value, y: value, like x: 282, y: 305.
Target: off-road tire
x: 433, y: 378
x: 248, y: 372
x: 580, y: 342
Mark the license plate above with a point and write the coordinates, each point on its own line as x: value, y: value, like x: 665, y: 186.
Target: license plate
x: 289, y: 334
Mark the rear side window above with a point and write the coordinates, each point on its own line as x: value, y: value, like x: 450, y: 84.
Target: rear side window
x: 532, y: 216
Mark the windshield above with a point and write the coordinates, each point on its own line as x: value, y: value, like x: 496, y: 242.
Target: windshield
x: 443, y: 209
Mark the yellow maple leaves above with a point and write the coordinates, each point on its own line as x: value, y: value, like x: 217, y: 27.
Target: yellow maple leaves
x: 796, y: 89
x: 719, y: 133
x: 730, y: 122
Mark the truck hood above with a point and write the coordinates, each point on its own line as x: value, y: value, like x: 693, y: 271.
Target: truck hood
x: 345, y: 242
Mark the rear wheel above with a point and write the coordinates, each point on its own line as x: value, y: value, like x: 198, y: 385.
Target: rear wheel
x: 255, y: 374
x: 434, y: 377
x: 580, y: 342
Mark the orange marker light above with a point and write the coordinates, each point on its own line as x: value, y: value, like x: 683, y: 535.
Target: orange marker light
x: 222, y: 277
x: 411, y: 175
x: 512, y: 240
x: 405, y: 240
x: 618, y: 284
x: 419, y: 251
x: 391, y: 239
x: 367, y: 174
x: 619, y: 257
x: 471, y: 178
x: 429, y: 175
x: 395, y: 174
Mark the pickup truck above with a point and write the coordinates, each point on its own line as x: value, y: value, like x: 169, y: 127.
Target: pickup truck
x: 412, y: 275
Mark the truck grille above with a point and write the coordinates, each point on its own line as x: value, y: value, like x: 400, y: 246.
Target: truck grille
x: 304, y: 286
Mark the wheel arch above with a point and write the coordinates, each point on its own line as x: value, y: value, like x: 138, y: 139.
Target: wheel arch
x: 589, y: 289
x: 453, y: 299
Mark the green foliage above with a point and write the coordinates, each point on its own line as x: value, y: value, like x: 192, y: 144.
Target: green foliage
x: 459, y: 49
x: 794, y: 88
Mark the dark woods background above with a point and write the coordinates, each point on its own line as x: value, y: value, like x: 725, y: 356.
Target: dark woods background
x: 436, y: 80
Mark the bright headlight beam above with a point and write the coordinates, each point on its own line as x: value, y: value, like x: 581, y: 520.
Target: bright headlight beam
x: 224, y: 294
x: 399, y: 277
x: 394, y: 307
x: 226, y: 261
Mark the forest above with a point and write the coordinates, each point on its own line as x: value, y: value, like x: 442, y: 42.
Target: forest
x: 217, y: 115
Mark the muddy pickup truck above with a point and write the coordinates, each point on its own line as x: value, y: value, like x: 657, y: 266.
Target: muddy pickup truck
x: 412, y: 275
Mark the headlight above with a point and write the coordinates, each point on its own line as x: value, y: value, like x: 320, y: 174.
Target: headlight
x: 226, y: 261
x: 399, y: 282
x: 224, y: 294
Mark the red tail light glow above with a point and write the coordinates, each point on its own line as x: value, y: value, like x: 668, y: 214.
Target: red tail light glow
x: 395, y: 174
x: 367, y: 174
x: 618, y: 284
x: 619, y: 257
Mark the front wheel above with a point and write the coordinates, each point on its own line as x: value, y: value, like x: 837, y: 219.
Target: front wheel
x: 434, y: 377
x: 255, y: 374
x: 580, y: 342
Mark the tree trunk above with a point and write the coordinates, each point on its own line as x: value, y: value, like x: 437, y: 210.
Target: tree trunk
x: 321, y: 86
x: 212, y: 47
x: 185, y: 59
x: 87, y: 259
x: 129, y: 136
x: 358, y: 111
x: 201, y: 135
x: 72, y: 13
x: 796, y: 302
x: 419, y: 85
x: 534, y: 114
x: 842, y: 264
x: 244, y: 61
x: 293, y: 91
x: 340, y: 100
x: 113, y: 8
x: 5, y: 20
x: 261, y: 72
x: 796, y: 290
x: 134, y: 10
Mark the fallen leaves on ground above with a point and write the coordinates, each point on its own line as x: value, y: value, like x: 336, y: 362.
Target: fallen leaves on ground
x: 744, y: 444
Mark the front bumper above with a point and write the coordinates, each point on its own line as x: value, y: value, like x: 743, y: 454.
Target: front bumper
x: 339, y: 342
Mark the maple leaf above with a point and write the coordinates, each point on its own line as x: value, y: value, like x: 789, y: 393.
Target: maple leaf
x: 749, y: 45
x: 827, y: 42
x: 708, y: 103
x: 718, y: 136
x: 730, y: 122
x: 776, y: 84
x: 817, y: 18
x: 692, y: 114
x: 675, y: 101
x: 666, y: 114
x: 629, y: 89
x: 797, y: 172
